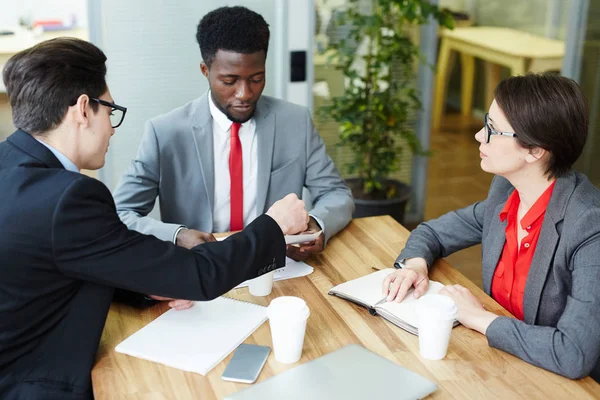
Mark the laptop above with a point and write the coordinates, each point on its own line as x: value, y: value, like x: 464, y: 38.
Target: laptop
x: 350, y: 373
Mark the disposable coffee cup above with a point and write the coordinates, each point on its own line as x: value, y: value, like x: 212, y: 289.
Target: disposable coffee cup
x: 262, y: 285
x: 436, y: 315
x: 287, y: 319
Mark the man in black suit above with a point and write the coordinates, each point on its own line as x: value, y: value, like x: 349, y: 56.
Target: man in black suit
x: 62, y: 246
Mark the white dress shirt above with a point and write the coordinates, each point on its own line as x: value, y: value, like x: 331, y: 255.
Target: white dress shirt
x: 221, y: 130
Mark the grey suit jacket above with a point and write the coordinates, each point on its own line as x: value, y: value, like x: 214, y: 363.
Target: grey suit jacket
x: 175, y: 162
x: 561, y: 301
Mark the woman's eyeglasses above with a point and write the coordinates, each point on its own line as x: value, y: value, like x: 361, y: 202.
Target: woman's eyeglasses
x: 489, y: 131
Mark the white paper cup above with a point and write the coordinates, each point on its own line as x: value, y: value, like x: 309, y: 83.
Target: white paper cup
x: 436, y: 315
x: 287, y: 319
x: 261, y: 286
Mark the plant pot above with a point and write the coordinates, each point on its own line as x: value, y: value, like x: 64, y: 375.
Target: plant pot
x: 395, y: 207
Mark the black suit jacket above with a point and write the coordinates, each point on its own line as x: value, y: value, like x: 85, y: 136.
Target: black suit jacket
x: 62, y: 251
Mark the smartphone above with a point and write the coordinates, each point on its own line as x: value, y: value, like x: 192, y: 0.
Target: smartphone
x: 246, y: 363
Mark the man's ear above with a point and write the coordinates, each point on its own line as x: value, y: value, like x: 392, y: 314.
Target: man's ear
x: 535, y: 154
x: 204, y: 69
x: 81, y: 110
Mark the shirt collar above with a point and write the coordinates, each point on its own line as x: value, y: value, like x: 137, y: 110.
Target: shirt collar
x: 512, y: 203
x: 539, y: 207
x: 220, y: 118
x: 537, y: 210
x: 64, y: 160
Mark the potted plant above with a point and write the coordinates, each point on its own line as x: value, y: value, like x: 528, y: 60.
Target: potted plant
x: 377, y: 58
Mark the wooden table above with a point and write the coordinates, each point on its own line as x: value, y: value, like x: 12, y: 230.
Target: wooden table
x: 519, y: 51
x: 471, y: 369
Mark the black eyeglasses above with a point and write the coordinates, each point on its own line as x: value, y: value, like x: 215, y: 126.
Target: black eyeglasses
x: 489, y: 131
x: 117, y: 114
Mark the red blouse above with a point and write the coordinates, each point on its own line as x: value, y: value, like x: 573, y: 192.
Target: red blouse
x: 508, y: 284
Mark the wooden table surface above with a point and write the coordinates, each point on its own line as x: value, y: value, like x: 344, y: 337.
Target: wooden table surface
x: 471, y: 369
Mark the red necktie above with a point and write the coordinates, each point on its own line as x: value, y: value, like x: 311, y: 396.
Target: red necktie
x: 236, y: 176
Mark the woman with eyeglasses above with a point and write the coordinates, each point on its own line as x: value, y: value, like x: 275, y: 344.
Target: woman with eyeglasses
x: 539, y: 228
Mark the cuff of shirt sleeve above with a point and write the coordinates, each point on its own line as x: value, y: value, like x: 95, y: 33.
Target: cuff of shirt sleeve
x: 321, y: 224
x: 177, y: 232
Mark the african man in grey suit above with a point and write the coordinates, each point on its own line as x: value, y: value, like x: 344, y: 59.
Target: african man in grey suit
x: 220, y: 160
x: 539, y: 228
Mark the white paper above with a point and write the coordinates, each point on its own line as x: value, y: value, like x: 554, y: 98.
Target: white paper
x: 196, y: 339
x: 292, y: 269
x: 301, y: 238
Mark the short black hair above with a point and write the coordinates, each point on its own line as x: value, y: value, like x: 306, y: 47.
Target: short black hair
x: 44, y: 80
x: 548, y: 111
x: 236, y: 29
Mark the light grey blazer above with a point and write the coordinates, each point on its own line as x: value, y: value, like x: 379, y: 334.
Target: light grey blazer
x: 561, y: 301
x: 175, y: 162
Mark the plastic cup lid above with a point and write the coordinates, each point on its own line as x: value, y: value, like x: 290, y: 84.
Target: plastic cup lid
x: 442, y: 306
x: 288, y: 307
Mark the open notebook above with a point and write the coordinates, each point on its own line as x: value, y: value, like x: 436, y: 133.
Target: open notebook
x: 198, y: 338
x: 366, y: 291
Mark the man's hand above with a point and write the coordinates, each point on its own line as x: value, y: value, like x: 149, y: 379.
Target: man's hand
x: 176, y: 304
x: 290, y: 214
x: 306, y: 250
x: 470, y: 311
x: 398, y: 283
x: 190, y: 238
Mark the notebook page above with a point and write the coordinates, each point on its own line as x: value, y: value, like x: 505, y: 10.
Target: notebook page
x: 198, y: 338
x: 406, y: 309
x: 366, y: 289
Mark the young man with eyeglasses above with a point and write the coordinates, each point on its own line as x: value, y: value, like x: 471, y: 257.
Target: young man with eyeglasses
x: 63, y: 248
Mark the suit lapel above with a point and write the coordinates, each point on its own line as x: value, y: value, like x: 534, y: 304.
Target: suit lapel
x: 546, y: 247
x: 494, y: 245
x: 203, y: 139
x: 265, y: 133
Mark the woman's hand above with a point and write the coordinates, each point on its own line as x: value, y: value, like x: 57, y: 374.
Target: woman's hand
x: 471, y: 312
x: 413, y: 274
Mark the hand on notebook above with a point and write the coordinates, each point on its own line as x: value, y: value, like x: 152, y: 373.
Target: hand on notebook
x: 290, y: 214
x: 190, y: 238
x: 398, y: 283
x: 471, y: 312
x: 305, y: 250
x: 174, y: 303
